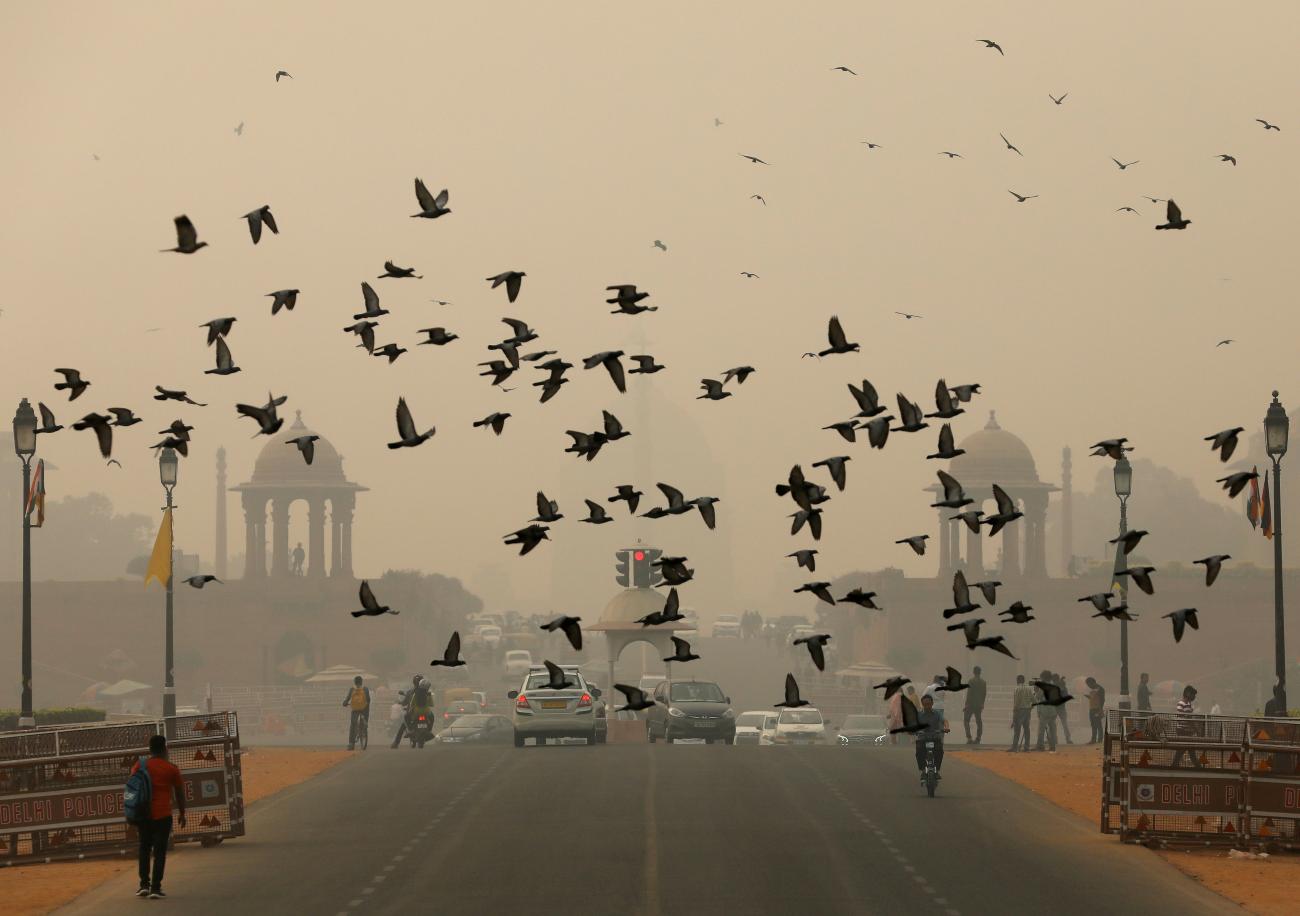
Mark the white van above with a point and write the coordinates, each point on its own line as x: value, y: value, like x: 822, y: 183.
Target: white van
x: 518, y: 661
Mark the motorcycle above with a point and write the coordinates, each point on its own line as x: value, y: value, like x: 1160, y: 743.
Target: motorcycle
x: 930, y: 775
x: 420, y: 729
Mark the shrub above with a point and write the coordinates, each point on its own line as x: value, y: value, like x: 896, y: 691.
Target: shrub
x: 64, y: 716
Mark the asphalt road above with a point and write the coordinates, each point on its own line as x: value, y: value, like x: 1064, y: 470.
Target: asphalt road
x: 680, y: 829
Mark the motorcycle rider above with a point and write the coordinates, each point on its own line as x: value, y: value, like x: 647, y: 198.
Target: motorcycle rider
x: 419, y: 699
x: 935, y: 728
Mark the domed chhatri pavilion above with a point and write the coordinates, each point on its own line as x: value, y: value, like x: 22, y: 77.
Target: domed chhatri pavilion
x: 280, y: 478
x: 995, y: 456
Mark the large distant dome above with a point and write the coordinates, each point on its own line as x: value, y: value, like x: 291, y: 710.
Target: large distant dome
x: 994, y: 455
x: 281, y: 464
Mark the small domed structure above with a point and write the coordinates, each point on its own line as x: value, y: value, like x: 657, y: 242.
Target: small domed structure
x: 281, y: 476
x: 995, y: 456
x: 630, y: 605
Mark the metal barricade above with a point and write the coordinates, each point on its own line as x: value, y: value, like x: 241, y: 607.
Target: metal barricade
x: 61, y: 788
x: 1200, y: 779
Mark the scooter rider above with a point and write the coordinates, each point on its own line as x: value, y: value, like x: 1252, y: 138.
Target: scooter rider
x: 418, y: 699
x: 935, y: 728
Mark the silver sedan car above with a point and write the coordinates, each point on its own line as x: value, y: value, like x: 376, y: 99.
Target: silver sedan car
x: 542, y: 712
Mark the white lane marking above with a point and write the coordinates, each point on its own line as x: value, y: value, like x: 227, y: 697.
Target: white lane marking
x: 367, y: 890
x: 390, y: 868
x: 379, y: 879
x: 356, y: 902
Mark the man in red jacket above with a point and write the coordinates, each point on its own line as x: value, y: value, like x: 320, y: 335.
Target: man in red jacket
x: 165, y: 781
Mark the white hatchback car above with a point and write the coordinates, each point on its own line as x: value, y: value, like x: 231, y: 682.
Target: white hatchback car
x: 803, y: 725
x: 518, y: 662
x: 768, y: 731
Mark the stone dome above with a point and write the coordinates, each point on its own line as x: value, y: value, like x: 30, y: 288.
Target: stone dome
x: 631, y: 604
x: 994, y: 455
x: 281, y: 464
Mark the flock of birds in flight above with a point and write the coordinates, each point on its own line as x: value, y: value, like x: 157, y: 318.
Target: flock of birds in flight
x: 808, y: 497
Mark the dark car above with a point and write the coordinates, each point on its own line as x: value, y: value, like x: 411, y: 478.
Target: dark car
x: 691, y: 709
x: 478, y: 729
x: 861, y: 730
x: 457, y: 708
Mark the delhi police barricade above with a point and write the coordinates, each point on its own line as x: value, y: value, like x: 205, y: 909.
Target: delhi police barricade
x: 1201, y: 780
x: 61, y: 788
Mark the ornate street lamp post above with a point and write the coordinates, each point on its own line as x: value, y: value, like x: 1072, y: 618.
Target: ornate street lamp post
x: 1277, y: 428
x: 1123, y: 487
x: 25, y: 448
x: 168, y: 465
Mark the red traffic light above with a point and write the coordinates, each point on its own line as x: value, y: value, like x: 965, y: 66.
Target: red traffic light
x: 639, y: 555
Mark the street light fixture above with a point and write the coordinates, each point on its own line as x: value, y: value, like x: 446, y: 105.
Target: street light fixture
x: 1277, y: 429
x: 168, y: 465
x: 1123, y: 488
x: 25, y: 448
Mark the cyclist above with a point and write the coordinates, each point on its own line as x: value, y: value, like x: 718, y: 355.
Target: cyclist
x: 935, y: 728
x: 419, y: 699
x: 358, y: 700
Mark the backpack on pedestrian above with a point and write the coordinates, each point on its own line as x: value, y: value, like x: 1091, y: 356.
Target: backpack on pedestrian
x: 137, y: 796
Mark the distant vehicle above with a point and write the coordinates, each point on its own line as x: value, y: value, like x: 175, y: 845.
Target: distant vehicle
x: 863, y: 730
x: 494, y: 619
x: 482, y: 698
x: 601, y: 713
x: 489, y: 635
x: 542, y: 713
x: 799, y: 726
x: 766, y: 736
x: 518, y: 661
x: 649, y: 682
x: 457, y: 708
x: 421, y: 730
x: 691, y: 709
x: 477, y: 728
x: 726, y: 626
x: 749, y: 726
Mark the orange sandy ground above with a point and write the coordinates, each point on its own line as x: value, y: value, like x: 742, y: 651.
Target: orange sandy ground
x: 31, y: 890
x: 1072, y: 779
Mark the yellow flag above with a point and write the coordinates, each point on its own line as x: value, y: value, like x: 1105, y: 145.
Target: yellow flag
x: 160, y: 563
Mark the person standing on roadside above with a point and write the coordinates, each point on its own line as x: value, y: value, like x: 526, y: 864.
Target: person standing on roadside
x: 1185, y: 726
x: 1062, y: 712
x: 1096, y: 709
x: 165, y: 783
x: 976, y: 694
x: 1144, y: 693
x: 1022, y: 702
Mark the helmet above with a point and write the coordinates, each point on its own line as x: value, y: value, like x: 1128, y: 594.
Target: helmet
x: 415, y: 681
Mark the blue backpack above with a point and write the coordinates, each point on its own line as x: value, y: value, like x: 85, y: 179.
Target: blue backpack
x: 138, y: 794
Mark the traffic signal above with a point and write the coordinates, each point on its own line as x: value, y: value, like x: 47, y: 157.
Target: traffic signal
x: 645, y: 574
x: 623, y: 568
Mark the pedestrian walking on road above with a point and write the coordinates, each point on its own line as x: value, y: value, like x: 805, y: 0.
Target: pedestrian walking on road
x: 1096, y: 709
x: 1144, y: 693
x: 976, y: 694
x: 358, y: 700
x: 1022, y: 703
x: 1063, y: 712
x: 165, y: 783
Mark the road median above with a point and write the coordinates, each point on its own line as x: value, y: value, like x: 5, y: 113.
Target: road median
x: 1071, y: 779
x: 31, y: 890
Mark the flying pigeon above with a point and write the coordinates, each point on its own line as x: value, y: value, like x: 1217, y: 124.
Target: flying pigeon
x: 439, y: 337
x: 430, y: 207
x: 513, y: 279
x: 1212, y: 566
x: 911, y: 414
x: 497, y: 421
x: 1235, y: 483
x: 103, y: 431
x: 990, y: 43
x: 527, y: 538
x: 186, y: 237
x: 255, y: 220
x: 835, y: 466
x: 218, y: 327
x: 1173, y: 217
x: 48, y: 423
x: 1130, y: 539
x: 556, y: 679
x: 265, y: 416
x: 916, y: 542
x: 960, y: 597
x: 548, y: 510
x: 892, y: 685
x: 306, y: 445
x: 168, y: 394
x: 72, y: 382
x: 1018, y: 612
x: 792, y: 699
x: 570, y: 628
x: 369, y: 606
x: 969, y: 628
x: 124, y: 416
x: 816, y: 648
x: 946, y: 449
x: 994, y: 643
x: 1053, y: 695
x: 989, y: 588
x: 1225, y: 442
x: 910, y: 717
x: 1142, y: 576
x: 1007, y: 512
x: 1183, y: 619
x: 861, y: 599
x: 835, y: 337
x: 282, y: 299
x: 821, y: 589
x: 596, y: 514
x: 200, y: 581
x: 954, y: 497
x: 806, y: 559
x: 868, y: 400
x: 636, y: 699
x: 952, y: 682
x: 408, y: 436
x: 393, y: 272
x: 627, y: 493
x: 451, y: 655
x: 682, y: 651
x: 610, y: 360
x: 225, y: 362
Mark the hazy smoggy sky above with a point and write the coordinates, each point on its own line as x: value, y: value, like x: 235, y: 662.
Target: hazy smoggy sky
x: 573, y: 135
